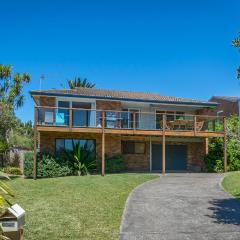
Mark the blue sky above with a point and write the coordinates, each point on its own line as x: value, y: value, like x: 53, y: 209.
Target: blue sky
x: 177, y: 48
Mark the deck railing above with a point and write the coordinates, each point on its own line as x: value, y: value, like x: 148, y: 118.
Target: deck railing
x: 88, y: 118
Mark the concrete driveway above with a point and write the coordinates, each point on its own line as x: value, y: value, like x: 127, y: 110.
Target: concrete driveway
x: 181, y: 206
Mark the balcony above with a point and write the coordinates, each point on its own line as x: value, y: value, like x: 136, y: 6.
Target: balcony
x: 125, y: 122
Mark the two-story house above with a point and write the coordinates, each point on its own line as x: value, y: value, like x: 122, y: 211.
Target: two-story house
x: 152, y: 132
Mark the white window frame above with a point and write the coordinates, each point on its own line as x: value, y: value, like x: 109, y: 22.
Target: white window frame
x: 139, y: 112
x: 165, y: 112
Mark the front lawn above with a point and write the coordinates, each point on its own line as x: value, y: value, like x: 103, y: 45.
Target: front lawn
x: 87, y: 207
x: 231, y: 183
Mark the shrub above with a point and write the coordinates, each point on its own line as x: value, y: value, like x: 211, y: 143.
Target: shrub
x: 12, y: 170
x: 214, y: 160
x: 28, y: 164
x: 47, y: 166
x: 15, y: 160
x: 115, y: 164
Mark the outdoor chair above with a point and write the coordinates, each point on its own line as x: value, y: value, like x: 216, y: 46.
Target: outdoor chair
x: 199, y: 125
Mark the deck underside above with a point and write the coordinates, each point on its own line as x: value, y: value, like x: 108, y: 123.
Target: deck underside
x: 130, y: 132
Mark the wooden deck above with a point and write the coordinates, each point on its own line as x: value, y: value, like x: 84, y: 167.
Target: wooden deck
x: 130, y: 131
x: 46, y: 120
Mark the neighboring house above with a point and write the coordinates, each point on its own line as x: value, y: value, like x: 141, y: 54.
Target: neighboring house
x: 227, y: 106
x: 152, y: 132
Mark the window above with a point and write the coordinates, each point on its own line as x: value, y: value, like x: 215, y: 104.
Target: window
x: 88, y: 147
x: 62, y: 115
x: 60, y: 145
x: 159, y: 118
x: 170, y: 116
x: 180, y: 116
x: 140, y: 147
x: 129, y: 147
x: 81, y: 114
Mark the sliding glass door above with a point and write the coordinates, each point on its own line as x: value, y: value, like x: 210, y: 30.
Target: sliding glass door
x: 81, y: 114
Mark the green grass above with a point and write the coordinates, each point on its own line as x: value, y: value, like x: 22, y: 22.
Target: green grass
x: 87, y: 207
x: 231, y: 183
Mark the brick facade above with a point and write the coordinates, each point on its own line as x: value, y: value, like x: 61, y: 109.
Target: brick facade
x: 229, y: 108
x: 133, y: 162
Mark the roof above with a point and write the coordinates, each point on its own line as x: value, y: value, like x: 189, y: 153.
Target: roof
x: 120, y: 95
x: 226, y: 98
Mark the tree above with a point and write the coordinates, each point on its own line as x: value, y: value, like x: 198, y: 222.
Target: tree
x: 214, y: 160
x: 11, y: 86
x: 236, y: 44
x: 78, y: 82
x: 11, y: 98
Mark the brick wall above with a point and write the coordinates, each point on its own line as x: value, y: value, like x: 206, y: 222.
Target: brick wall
x: 228, y: 108
x: 195, y: 156
x: 138, y: 162
x: 112, y: 143
x: 134, y: 162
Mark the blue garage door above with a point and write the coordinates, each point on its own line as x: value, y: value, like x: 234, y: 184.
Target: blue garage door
x: 176, y: 157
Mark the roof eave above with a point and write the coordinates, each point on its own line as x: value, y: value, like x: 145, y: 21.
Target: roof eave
x: 203, y: 104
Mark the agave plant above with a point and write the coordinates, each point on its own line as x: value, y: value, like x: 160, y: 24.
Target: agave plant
x: 5, y: 193
x: 81, y: 164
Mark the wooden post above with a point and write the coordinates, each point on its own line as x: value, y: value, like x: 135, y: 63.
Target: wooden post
x: 206, y: 146
x: 150, y: 153
x: 134, y: 121
x: 103, y: 143
x: 195, y: 125
x: 35, y: 145
x: 70, y: 119
x: 225, y: 144
x: 164, y: 146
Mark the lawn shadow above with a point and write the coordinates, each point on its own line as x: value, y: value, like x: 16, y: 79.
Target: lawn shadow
x: 226, y: 211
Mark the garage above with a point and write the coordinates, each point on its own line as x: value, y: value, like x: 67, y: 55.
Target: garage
x: 176, y: 157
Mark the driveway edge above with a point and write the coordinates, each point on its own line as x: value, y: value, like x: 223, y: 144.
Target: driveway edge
x: 128, y: 199
x: 221, y: 186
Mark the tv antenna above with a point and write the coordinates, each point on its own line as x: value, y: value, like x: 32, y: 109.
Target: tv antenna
x: 42, y: 77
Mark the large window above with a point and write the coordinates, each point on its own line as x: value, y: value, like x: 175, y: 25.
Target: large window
x: 129, y: 147
x: 88, y: 147
x: 81, y: 117
x: 62, y: 115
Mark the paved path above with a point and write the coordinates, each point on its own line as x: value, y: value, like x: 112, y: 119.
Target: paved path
x: 181, y: 206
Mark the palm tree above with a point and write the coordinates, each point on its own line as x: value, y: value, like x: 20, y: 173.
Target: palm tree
x: 78, y: 82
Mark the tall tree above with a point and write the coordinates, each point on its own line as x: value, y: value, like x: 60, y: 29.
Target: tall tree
x: 11, y: 98
x: 78, y: 82
x: 11, y: 86
x: 236, y: 43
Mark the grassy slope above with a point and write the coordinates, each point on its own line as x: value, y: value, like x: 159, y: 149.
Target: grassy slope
x: 75, y: 207
x: 231, y: 183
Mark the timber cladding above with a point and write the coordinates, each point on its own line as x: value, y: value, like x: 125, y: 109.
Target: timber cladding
x: 108, y: 105
x: 113, y: 146
x: 47, y: 101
